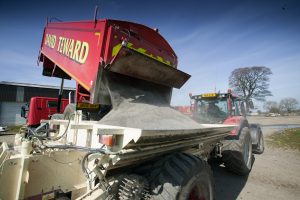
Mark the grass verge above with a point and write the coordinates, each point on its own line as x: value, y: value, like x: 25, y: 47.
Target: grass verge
x: 286, y: 139
x: 14, y: 129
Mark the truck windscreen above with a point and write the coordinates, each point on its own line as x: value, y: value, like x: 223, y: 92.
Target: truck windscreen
x: 211, y: 110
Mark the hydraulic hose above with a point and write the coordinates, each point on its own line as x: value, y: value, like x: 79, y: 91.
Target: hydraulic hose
x: 65, y: 132
x: 91, y: 150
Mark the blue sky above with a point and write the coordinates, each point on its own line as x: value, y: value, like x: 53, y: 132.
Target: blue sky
x: 210, y: 38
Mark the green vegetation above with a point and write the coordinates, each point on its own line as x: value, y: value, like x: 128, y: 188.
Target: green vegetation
x: 287, y: 139
x: 14, y: 129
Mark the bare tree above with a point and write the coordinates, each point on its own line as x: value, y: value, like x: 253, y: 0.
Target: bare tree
x: 288, y: 105
x: 251, y: 82
x: 271, y: 106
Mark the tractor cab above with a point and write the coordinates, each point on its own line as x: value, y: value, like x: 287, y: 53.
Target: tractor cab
x: 216, y: 107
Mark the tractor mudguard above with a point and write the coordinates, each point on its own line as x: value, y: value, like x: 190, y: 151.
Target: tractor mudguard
x: 257, y: 138
x: 255, y: 131
x: 240, y: 123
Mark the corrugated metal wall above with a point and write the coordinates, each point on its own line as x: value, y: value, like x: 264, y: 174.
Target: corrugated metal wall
x: 44, y: 92
x: 8, y: 93
x: 10, y: 113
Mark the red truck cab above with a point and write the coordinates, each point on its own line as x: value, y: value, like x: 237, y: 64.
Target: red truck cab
x: 41, y: 108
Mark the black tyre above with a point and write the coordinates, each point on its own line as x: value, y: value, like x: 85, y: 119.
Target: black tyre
x: 181, y: 176
x: 62, y: 198
x: 96, y: 115
x: 237, y: 154
x: 259, y: 148
x: 92, y: 115
x: 130, y: 187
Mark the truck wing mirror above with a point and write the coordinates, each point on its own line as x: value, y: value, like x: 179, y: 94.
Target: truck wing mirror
x: 24, y: 112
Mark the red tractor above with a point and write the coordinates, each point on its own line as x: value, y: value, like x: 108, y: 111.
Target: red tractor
x: 227, y: 108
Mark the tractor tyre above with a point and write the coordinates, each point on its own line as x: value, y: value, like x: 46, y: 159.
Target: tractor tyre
x: 237, y: 154
x: 129, y: 187
x: 62, y: 198
x: 181, y: 176
x: 91, y: 115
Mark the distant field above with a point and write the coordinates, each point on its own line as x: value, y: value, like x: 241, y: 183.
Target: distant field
x: 274, y: 120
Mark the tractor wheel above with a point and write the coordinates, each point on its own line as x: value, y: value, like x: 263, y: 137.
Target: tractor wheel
x: 130, y: 187
x: 259, y: 148
x: 237, y: 154
x: 257, y: 139
x: 91, y: 115
x: 183, y: 177
x: 62, y: 198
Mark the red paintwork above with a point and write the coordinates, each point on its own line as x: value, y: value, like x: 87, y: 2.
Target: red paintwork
x: 233, y: 120
x: 38, y: 109
x: 101, y: 36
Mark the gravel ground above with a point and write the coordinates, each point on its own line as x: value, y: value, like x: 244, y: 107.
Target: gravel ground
x: 275, y: 174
